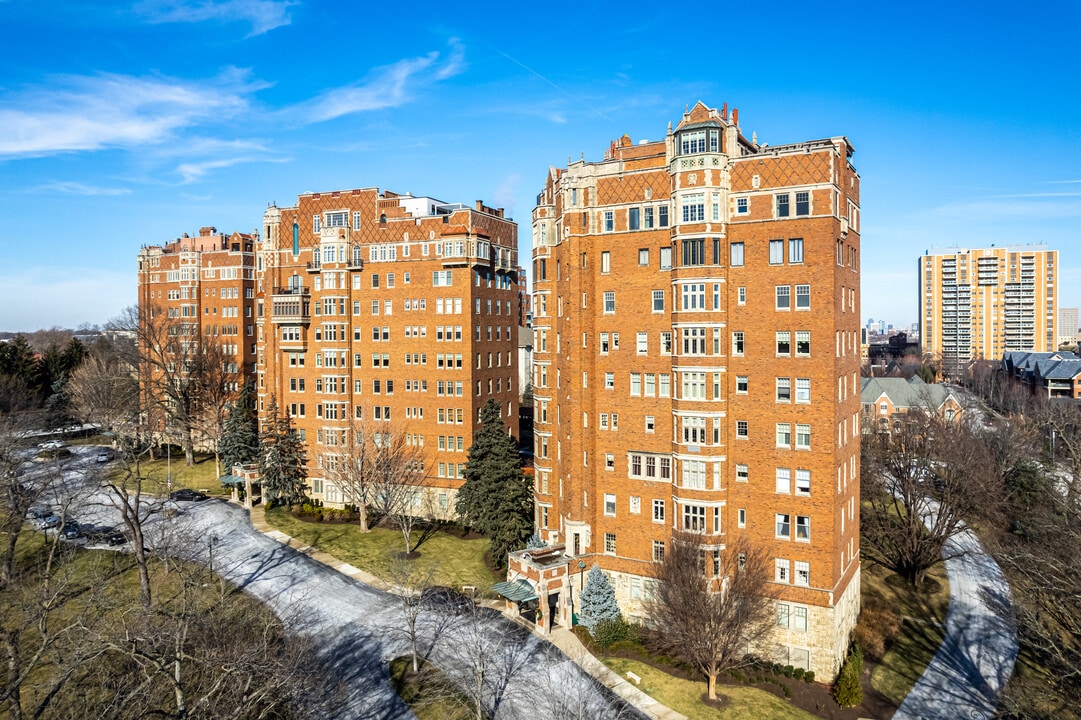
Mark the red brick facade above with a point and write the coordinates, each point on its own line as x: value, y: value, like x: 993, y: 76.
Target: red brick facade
x: 696, y: 364
x: 395, y: 311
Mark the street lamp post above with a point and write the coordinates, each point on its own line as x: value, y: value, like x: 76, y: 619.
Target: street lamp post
x: 581, y: 578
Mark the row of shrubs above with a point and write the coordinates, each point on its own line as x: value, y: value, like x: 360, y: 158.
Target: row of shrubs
x: 627, y: 639
x: 314, y: 510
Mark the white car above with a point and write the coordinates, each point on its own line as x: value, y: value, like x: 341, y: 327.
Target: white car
x: 51, y: 445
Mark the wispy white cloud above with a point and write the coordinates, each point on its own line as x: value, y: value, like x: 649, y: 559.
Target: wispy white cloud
x: 75, y: 188
x: 263, y: 15
x: 191, y: 172
x: 384, y: 87
x: 102, y: 111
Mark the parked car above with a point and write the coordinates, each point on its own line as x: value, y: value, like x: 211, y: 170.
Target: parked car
x: 444, y: 599
x: 188, y: 494
x: 71, y: 531
x: 49, y: 521
x: 104, y: 534
x: 104, y: 456
x: 38, y: 511
x: 51, y: 445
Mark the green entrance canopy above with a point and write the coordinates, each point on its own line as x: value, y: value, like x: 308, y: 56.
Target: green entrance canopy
x: 228, y: 480
x: 516, y: 590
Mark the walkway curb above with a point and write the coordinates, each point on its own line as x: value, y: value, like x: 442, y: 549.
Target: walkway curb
x: 562, y: 638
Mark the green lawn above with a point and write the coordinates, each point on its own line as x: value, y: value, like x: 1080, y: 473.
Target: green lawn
x: 684, y: 696
x: 455, y: 562
x: 164, y: 474
x: 921, y: 633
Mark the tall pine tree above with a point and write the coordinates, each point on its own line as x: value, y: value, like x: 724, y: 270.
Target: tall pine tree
x: 597, y: 600
x: 496, y: 498
x: 240, y: 441
x: 281, y: 460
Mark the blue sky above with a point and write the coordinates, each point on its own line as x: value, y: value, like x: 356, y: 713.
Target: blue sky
x: 129, y: 123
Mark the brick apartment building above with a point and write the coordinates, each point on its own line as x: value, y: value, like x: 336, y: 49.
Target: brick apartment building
x: 202, y: 288
x: 979, y: 304
x: 696, y: 367
x: 388, y: 311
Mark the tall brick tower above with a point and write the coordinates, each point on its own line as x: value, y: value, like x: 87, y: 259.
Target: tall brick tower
x: 696, y: 368
x: 393, y: 313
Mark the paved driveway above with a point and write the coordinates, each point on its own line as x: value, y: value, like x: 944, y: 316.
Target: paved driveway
x: 360, y: 628
x: 976, y: 659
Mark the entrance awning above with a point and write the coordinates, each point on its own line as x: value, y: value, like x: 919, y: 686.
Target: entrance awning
x: 228, y: 480
x: 516, y: 590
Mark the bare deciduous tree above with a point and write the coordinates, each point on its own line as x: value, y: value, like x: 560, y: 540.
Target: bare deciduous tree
x: 711, y: 620
x: 919, y: 484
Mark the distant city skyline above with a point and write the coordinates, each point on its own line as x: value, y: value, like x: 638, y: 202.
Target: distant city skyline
x: 149, y: 119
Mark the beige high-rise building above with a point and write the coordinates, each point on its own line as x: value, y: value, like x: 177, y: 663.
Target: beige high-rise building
x: 1067, y: 326
x: 979, y: 304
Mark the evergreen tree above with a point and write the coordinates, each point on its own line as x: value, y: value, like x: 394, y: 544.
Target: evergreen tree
x: 240, y: 441
x: 847, y: 691
x: 496, y: 498
x: 597, y: 600
x: 58, y: 409
x: 281, y: 460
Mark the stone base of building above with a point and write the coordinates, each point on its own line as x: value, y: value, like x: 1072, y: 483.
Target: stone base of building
x: 809, y: 636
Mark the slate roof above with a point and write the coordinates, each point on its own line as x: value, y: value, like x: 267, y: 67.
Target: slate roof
x: 913, y: 392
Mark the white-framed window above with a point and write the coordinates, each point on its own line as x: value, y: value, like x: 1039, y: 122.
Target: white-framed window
x: 742, y: 430
x: 803, y: 482
x: 609, y: 380
x: 784, y: 435
x: 651, y: 423
x: 658, y: 511
x: 803, y: 436
x: 642, y: 344
x: 694, y: 518
x: 610, y: 504
x: 735, y: 254
x: 643, y: 253
x: 650, y: 389
x: 693, y: 207
x: 741, y: 296
x: 784, y: 342
x: 784, y: 297
x: 782, y: 205
x: 610, y: 543
x: 799, y: 618
x: 737, y: 342
x: 658, y: 551
x: 609, y: 221
x: 783, y: 526
x: 803, y: 203
x: 694, y: 340
x: 666, y: 342
x: 664, y: 385
x: 741, y: 517
x: 803, y: 527
x: 781, y: 570
x: 609, y: 461
x: 742, y: 206
x: 694, y: 296
x: 776, y: 252
x: 694, y: 385
x: 803, y: 390
x: 784, y: 389
x: 609, y: 302
x: 742, y: 473
x: 784, y: 481
x: 795, y: 251
x: 658, y: 301
x: 803, y: 573
x: 803, y: 297
x: 606, y: 262
x: 741, y: 384
x: 694, y: 474
x: 803, y: 343
x: 636, y: 384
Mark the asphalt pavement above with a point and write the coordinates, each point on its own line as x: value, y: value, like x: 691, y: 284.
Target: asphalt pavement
x: 976, y: 658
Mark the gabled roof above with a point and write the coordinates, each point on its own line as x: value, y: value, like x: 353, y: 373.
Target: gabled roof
x: 903, y: 393
x: 1057, y: 369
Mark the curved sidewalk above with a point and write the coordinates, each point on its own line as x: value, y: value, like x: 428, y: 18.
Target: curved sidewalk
x: 561, y: 638
x: 976, y: 659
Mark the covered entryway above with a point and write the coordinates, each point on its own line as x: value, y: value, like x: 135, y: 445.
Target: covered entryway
x: 522, y: 594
